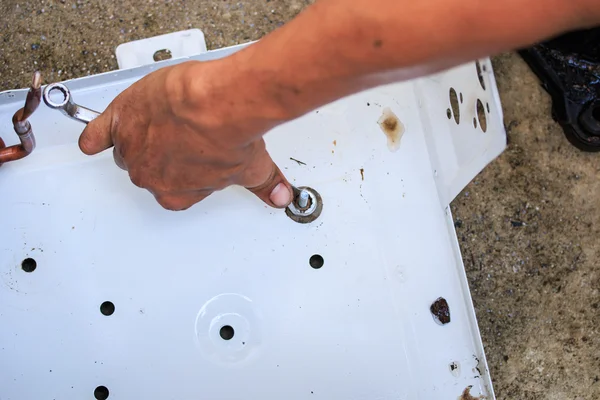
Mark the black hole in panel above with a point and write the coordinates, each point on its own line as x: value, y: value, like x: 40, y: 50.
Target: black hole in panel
x: 101, y: 393
x: 227, y: 332
x: 29, y: 265
x: 316, y: 261
x: 107, y: 308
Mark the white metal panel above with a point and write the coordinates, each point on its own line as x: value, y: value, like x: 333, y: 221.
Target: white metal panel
x: 459, y: 151
x: 357, y: 328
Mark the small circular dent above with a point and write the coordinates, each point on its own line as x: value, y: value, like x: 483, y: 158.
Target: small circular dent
x: 481, y: 116
x: 454, y: 104
x: 480, y: 74
x: 228, y: 329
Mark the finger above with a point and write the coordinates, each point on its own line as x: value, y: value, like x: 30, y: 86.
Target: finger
x: 180, y: 202
x: 96, y: 137
x: 118, y: 159
x: 273, y: 189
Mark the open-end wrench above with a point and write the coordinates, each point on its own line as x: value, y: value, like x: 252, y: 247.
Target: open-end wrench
x: 67, y: 106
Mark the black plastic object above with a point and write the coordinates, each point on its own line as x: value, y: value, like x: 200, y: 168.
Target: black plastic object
x: 569, y: 68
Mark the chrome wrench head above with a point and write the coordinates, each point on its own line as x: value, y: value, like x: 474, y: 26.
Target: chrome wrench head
x: 65, y: 103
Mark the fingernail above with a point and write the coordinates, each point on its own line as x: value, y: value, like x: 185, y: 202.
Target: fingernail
x: 281, y: 196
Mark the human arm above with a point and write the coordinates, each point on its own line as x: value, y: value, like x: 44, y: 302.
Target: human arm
x: 206, y: 132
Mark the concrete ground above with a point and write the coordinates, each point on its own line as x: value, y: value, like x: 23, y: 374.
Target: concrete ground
x: 535, y: 286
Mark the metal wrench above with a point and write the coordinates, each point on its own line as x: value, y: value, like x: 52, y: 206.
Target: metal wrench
x: 67, y: 106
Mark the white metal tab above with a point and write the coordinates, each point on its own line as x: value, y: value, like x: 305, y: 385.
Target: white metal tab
x: 171, y: 45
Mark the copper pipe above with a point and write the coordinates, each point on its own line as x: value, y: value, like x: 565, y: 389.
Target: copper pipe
x: 21, y: 126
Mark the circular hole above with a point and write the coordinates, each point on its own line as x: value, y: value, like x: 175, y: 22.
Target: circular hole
x: 101, y: 393
x: 316, y: 261
x: 596, y: 113
x: 29, y: 265
x: 454, y: 105
x: 107, y: 308
x: 226, y: 332
x: 481, y: 116
x: 449, y: 113
x: 475, y: 122
x: 480, y: 74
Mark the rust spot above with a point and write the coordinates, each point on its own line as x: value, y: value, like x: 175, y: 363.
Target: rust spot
x: 362, y: 173
x: 466, y: 395
x: 335, y: 142
x: 440, y: 311
x: 393, y: 128
x: 390, y: 124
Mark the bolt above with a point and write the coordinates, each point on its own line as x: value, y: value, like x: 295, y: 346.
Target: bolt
x: 303, y: 199
x: 306, y: 207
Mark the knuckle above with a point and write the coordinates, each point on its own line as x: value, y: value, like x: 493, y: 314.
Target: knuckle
x: 237, y: 172
x: 167, y: 205
x: 160, y: 186
x: 138, y: 178
x: 259, y: 147
x: 121, y: 148
x: 119, y: 159
x: 261, y: 178
x: 170, y: 203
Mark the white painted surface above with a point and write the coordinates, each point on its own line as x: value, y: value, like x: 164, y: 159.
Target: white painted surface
x: 141, y: 52
x: 358, y: 328
x: 459, y: 152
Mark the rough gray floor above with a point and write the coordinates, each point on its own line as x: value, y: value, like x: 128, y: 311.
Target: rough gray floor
x: 535, y: 287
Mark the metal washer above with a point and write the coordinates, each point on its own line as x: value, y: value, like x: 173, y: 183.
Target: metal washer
x: 309, y: 214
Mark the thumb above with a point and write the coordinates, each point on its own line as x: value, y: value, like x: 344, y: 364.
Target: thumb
x: 97, y: 137
x: 275, y: 190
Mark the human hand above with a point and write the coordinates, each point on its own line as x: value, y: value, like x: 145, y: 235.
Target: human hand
x: 188, y: 130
